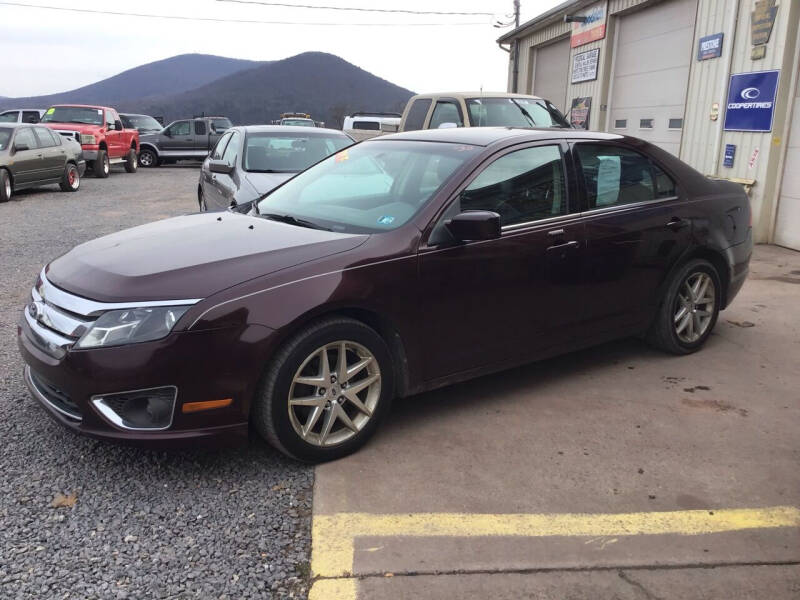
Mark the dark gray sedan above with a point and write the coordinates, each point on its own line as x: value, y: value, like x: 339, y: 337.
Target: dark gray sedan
x: 31, y: 156
x: 248, y: 162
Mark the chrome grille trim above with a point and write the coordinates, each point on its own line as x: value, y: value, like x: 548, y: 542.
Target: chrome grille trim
x: 46, y: 338
x: 90, y: 308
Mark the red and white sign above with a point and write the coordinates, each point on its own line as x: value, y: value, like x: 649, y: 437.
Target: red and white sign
x: 595, y: 26
x: 753, y: 158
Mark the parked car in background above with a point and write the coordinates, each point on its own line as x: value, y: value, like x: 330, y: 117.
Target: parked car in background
x: 364, y: 125
x: 248, y: 162
x: 298, y: 120
x: 186, y: 139
x: 142, y: 123
x: 480, y: 109
x: 32, y: 156
x: 398, y: 265
x: 100, y: 132
x: 22, y: 115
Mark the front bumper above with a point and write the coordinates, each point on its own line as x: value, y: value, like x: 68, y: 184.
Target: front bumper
x: 81, y: 167
x: 89, y: 153
x: 207, y: 365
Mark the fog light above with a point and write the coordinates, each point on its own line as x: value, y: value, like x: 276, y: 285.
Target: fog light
x: 139, y: 409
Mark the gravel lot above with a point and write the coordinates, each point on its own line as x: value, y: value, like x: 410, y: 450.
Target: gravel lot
x: 194, y: 524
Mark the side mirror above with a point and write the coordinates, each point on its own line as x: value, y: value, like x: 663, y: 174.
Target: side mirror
x: 21, y: 147
x: 474, y: 225
x: 167, y: 132
x: 220, y: 166
x: 447, y: 126
x: 119, y: 126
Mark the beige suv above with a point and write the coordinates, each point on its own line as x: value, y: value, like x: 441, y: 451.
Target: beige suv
x: 480, y: 109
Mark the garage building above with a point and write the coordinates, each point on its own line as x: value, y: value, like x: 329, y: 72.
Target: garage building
x: 715, y: 82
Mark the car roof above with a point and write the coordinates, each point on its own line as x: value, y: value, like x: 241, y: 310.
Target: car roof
x: 476, y: 95
x: 82, y: 106
x: 484, y: 136
x: 286, y: 129
x: 5, y: 110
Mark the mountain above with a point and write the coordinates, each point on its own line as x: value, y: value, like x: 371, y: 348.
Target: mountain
x: 318, y: 83
x: 169, y: 76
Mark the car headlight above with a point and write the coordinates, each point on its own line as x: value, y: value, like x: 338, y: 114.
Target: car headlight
x: 88, y: 139
x: 130, y: 326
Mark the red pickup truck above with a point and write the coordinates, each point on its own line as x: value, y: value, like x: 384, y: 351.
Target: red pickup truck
x: 100, y: 132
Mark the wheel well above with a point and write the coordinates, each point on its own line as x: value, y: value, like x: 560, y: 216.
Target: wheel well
x: 148, y: 147
x: 103, y: 146
x: 133, y: 144
x: 719, y: 263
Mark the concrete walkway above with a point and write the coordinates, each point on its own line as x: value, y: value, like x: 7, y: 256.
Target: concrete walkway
x: 616, y: 472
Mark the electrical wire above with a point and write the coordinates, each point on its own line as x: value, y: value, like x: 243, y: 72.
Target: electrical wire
x: 219, y: 20
x: 358, y: 9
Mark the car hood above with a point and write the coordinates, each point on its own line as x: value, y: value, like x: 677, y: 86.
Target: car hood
x: 151, y: 136
x: 193, y: 256
x: 79, y: 127
x: 261, y: 183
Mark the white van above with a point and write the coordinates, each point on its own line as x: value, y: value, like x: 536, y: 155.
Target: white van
x: 364, y: 125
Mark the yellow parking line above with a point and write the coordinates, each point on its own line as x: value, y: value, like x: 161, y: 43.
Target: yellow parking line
x: 333, y: 536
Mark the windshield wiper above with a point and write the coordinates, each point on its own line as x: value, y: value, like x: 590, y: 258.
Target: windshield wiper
x: 524, y: 112
x: 291, y: 220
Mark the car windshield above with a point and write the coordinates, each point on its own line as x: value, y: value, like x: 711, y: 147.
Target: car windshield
x: 298, y: 122
x: 141, y: 122
x: 220, y: 124
x: 275, y: 152
x: 370, y: 187
x: 73, y: 114
x: 5, y: 136
x: 514, y: 112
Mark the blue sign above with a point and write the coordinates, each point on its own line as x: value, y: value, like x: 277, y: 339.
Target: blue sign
x: 730, y: 154
x: 710, y: 46
x: 751, y: 101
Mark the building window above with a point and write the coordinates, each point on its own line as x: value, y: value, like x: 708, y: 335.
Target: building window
x: 676, y: 123
x: 645, y: 123
x: 621, y: 124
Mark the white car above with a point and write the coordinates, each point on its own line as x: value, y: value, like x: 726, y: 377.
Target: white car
x: 22, y: 115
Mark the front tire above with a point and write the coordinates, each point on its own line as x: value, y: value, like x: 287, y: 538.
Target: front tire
x: 148, y: 158
x: 71, y: 181
x: 131, y: 162
x: 689, y: 310
x: 326, y: 391
x: 201, y: 200
x: 6, y: 189
x: 102, y: 166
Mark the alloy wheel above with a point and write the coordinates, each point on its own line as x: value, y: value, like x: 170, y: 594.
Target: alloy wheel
x: 694, y: 308
x: 146, y: 159
x: 334, y: 393
x: 106, y: 165
x: 72, y: 178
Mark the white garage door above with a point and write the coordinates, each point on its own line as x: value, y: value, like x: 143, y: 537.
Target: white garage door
x: 653, y: 52
x: 551, y: 68
x: 787, y: 231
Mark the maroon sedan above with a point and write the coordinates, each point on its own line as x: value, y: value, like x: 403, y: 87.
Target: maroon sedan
x: 398, y: 265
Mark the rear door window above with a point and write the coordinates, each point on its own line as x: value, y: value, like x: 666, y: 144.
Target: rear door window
x: 199, y: 127
x: 46, y: 138
x: 416, y: 114
x: 30, y: 116
x: 615, y: 176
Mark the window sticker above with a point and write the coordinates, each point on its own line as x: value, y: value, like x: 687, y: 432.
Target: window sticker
x: 342, y: 156
x: 50, y: 111
x: 386, y: 220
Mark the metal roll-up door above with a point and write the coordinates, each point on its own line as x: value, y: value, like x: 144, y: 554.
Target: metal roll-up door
x: 551, y: 69
x: 652, y: 57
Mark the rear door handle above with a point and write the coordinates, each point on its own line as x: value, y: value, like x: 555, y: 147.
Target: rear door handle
x: 677, y: 223
x: 566, y: 245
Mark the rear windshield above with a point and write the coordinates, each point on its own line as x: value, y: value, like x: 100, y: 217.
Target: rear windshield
x: 514, y: 112
x: 298, y: 122
x: 5, y: 136
x: 269, y: 152
x: 73, y: 114
x: 221, y: 124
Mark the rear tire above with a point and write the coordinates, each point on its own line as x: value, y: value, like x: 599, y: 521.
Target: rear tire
x: 284, y: 406
x: 102, y: 166
x: 71, y: 181
x: 148, y: 158
x: 6, y: 189
x: 689, y: 310
x: 131, y: 162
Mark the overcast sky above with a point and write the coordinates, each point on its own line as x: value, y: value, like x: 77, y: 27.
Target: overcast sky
x: 47, y: 51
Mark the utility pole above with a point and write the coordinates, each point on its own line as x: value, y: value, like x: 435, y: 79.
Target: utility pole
x: 516, y: 48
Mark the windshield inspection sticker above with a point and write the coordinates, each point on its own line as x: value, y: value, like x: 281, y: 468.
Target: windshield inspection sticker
x: 50, y: 111
x: 342, y: 156
x: 386, y: 220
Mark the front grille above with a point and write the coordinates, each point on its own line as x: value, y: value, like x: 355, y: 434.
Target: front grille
x: 55, y: 397
x: 70, y: 134
x: 56, y: 310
